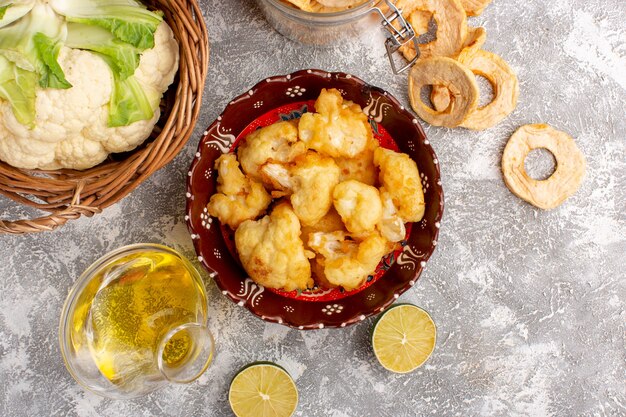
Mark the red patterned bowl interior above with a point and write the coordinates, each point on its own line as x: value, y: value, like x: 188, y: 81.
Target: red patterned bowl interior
x: 288, y: 97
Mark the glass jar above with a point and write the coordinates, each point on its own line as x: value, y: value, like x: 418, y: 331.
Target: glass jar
x: 329, y: 29
x: 321, y: 29
x: 135, y: 321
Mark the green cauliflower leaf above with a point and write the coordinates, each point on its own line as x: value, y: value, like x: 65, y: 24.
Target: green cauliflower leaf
x: 18, y: 87
x: 33, y: 44
x: 127, y: 20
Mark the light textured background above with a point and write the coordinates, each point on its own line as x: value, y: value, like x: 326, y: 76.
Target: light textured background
x: 529, y: 304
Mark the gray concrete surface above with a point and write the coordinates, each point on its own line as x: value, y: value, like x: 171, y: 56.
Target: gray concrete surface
x: 530, y: 305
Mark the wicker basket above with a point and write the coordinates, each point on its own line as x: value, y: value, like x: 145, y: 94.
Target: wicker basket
x: 69, y: 194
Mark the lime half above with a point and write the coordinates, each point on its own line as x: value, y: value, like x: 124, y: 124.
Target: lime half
x: 263, y: 389
x: 403, y: 338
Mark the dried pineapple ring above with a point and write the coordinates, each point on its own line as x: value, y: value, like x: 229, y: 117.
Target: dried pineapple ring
x: 563, y: 183
x: 505, y: 89
x: 474, y: 7
x: 451, y: 27
x: 440, y: 96
x: 450, y: 74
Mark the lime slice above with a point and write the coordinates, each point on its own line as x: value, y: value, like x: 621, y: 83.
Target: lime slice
x: 263, y: 389
x: 403, y: 338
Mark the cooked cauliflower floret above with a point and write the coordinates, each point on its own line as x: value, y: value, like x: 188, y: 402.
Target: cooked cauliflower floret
x: 271, y: 251
x: 238, y: 198
x: 361, y: 167
x: 75, y: 120
x: 391, y: 226
x: 310, y: 180
x: 276, y: 143
x: 331, y: 222
x: 338, y: 128
x: 347, y: 263
x: 358, y: 205
x: 401, y: 179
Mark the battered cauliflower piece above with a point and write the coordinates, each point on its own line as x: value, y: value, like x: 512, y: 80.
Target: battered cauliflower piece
x: 338, y: 129
x: 276, y: 143
x: 401, y: 180
x: 391, y: 226
x: 71, y: 125
x: 361, y: 167
x: 271, y: 251
x: 311, y: 179
x: 358, y: 205
x: 347, y: 263
x: 238, y: 198
x: 331, y: 222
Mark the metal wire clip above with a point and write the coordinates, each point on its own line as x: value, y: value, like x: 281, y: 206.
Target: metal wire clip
x: 398, y: 35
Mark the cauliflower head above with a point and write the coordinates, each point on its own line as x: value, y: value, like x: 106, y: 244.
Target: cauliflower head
x: 271, y: 251
x: 347, y: 263
x: 71, y: 126
x: 276, y: 143
x: 358, y: 205
x: 338, y: 128
x: 400, y: 179
x: 238, y: 198
x: 310, y: 179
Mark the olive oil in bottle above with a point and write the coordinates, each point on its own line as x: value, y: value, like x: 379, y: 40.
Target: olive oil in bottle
x: 127, y: 310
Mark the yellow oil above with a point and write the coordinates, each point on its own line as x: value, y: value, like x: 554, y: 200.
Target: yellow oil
x: 127, y: 310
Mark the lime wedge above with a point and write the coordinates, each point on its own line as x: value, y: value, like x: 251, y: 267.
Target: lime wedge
x: 263, y: 389
x: 403, y: 338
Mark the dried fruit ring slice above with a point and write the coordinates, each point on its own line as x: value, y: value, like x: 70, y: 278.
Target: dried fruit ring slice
x: 563, y: 183
x: 451, y: 27
x: 440, y: 96
x: 450, y: 74
x: 340, y: 3
x: 505, y: 89
x: 475, y: 40
x: 474, y: 7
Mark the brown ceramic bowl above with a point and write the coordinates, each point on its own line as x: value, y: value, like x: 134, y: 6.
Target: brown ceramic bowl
x: 287, y: 97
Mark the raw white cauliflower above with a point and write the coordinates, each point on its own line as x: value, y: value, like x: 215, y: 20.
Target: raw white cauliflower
x: 238, y: 197
x: 71, y: 126
x: 347, y: 263
x: 272, y: 252
x: 400, y: 179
